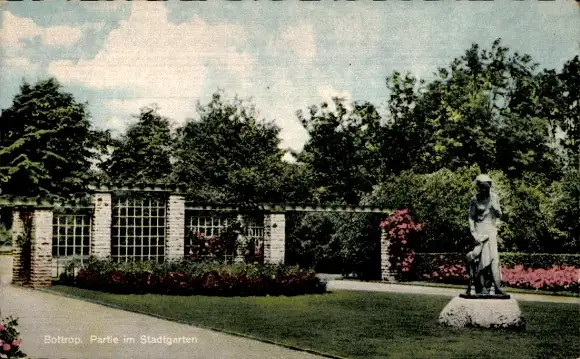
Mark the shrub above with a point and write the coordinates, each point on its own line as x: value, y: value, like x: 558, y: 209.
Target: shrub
x: 9, y: 340
x: 5, y: 236
x: 402, y: 233
x: 551, y: 279
x: 359, y: 237
x: 438, y: 200
x: 519, y: 270
x: 197, y: 278
x: 538, y: 217
x: 311, y: 242
x: 567, y: 211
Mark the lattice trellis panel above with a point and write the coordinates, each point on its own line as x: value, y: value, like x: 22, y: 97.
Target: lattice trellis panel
x: 211, y: 223
x: 71, y: 237
x: 207, y: 223
x: 138, y: 229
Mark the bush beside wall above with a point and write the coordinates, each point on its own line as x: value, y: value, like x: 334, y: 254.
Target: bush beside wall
x: 192, y: 278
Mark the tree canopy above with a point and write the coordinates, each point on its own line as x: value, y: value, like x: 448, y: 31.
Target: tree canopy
x: 47, y: 144
x: 227, y: 154
x: 142, y: 156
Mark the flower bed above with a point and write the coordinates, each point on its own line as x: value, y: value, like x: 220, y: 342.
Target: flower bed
x: 192, y: 278
x: 9, y: 341
x: 449, y: 268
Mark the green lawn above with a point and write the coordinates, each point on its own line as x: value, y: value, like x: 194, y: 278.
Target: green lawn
x: 365, y: 325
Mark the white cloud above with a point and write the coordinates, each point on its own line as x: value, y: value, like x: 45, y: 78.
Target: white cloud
x: 20, y: 62
x: 165, y: 63
x: 15, y: 29
x: 300, y: 40
x: 177, y: 110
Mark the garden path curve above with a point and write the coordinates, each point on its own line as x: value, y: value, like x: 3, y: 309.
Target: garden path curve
x: 43, y: 314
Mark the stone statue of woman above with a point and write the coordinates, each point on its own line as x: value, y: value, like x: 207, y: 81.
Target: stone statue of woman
x: 483, y: 261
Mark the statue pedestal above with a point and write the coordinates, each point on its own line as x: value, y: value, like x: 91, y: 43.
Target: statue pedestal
x: 482, y: 311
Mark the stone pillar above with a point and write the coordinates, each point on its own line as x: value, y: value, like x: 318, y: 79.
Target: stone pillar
x: 20, y: 245
x: 41, y: 263
x: 101, y: 227
x: 274, y: 238
x: 175, y: 238
x: 387, y: 274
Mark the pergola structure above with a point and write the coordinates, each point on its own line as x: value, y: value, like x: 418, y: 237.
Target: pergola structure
x: 139, y: 224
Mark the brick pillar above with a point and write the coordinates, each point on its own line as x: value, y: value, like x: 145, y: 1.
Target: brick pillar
x: 387, y: 274
x: 21, y: 220
x: 274, y: 238
x: 101, y: 226
x: 175, y: 238
x: 41, y: 263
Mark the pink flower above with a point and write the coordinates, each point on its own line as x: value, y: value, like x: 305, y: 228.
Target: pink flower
x: 6, y: 347
x: 2, y: 327
x: 16, y: 343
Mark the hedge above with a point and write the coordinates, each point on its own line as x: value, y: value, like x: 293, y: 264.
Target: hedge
x: 192, y: 278
x: 426, y: 262
x: 552, y: 272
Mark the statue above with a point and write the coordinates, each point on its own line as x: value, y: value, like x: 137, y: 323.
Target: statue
x: 483, y: 261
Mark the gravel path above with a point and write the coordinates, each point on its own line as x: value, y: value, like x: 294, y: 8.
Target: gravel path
x: 53, y: 326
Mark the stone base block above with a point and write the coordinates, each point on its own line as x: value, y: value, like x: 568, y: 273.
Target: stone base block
x: 482, y: 313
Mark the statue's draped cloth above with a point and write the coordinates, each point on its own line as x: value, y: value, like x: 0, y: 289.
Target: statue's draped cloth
x: 485, y: 225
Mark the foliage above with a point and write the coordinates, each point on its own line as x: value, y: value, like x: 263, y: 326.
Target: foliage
x: 402, y: 234
x: 550, y: 279
x: 310, y: 242
x: 438, y: 200
x: 560, y: 102
x: 227, y: 155
x: 482, y: 110
x: 5, y: 236
x: 359, y: 235
x: 195, y: 278
x: 342, y: 151
x: 342, y: 243
x: 142, y: 156
x: 9, y: 339
x: 553, y: 272
x: 567, y: 212
x: 210, y: 248
x: 47, y: 143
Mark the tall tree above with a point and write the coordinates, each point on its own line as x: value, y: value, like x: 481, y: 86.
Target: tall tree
x: 563, y: 106
x: 228, y: 155
x: 142, y: 156
x: 47, y: 144
x: 342, y: 152
x: 483, y: 109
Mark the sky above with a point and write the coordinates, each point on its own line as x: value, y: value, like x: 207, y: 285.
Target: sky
x: 285, y: 55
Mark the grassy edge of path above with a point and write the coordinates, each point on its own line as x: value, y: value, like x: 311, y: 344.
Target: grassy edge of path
x: 393, y: 325
x: 176, y: 320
